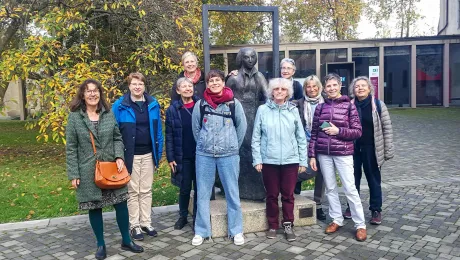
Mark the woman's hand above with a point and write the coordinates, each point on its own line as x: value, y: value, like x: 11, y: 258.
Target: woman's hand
x: 258, y: 167
x: 302, y: 169
x: 75, y: 183
x: 313, y: 164
x: 233, y: 73
x: 333, y: 130
x: 120, y: 164
x: 173, y: 165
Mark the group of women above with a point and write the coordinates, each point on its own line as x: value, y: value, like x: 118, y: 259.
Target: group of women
x: 316, y: 135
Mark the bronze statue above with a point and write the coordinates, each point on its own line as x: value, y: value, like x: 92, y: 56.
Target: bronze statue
x: 249, y: 87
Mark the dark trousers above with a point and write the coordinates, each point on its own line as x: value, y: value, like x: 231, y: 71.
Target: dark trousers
x: 188, y: 178
x: 364, y: 157
x: 279, y: 178
x: 319, y: 189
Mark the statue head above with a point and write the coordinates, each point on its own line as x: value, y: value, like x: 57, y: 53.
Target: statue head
x: 247, y: 58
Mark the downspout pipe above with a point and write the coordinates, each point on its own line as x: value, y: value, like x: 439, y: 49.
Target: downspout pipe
x: 447, y: 18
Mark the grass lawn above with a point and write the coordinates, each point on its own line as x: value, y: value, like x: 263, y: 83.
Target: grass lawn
x: 33, y: 178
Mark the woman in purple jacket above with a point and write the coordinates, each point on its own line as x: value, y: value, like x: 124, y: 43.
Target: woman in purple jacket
x: 335, y: 126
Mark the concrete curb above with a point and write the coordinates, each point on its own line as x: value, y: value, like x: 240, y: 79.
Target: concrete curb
x: 174, y: 208
x: 74, y: 219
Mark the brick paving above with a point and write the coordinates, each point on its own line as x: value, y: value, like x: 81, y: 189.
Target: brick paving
x: 420, y: 216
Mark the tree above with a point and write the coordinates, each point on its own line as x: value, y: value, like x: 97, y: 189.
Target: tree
x: 239, y: 27
x: 324, y: 19
x: 57, y: 44
x: 381, y: 11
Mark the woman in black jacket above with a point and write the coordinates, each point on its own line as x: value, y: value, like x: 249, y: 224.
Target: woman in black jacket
x: 193, y: 73
x: 180, y: 147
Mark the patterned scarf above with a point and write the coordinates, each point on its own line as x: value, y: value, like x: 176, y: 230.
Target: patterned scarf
x: 308, y: 115
x: 196, y: 78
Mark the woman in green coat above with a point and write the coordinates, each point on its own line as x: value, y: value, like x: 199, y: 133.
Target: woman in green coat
x: 91, y: 113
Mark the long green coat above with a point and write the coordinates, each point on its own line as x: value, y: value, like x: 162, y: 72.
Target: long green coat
x: 81, y: 162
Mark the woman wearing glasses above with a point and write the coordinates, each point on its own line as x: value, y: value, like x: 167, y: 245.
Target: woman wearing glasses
x: 90, y: 113
x: 138, y: 115
x: 288, y: 68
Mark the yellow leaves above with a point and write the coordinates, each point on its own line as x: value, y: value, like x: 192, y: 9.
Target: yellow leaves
x: 141, y: 13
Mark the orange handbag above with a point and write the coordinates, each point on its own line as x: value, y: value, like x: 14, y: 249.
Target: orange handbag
x: 106, y: 175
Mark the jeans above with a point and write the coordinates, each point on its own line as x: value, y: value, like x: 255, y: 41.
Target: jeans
x: 188, y: 177
x: 140, y: 191
x: 364, y: 157
x: 228, y: 168
x: 344, y: 166
x: 279, y: 178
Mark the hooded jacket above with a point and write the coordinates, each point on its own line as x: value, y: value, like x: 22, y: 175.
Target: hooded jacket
x: 278, y: 136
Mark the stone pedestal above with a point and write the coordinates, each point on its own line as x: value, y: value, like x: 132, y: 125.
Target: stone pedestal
x: 254, y: 219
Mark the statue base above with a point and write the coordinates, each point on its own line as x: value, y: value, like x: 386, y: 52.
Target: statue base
x: 254, y: 218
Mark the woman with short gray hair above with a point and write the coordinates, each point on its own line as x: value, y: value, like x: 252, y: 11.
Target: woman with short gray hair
x: 288, y: 68
x: 374, y: 147
x: 191, y: 72
x: 279, y: 152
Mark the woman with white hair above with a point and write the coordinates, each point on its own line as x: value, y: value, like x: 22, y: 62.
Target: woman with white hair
x: 375, y: 145
x: 313, y: 88
x: 193, y: 73
x: 279, y: 151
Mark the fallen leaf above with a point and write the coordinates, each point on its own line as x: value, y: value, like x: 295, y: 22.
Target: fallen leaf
x: 59, y: 189
x: 36, y: 196
x: 12, y: 204
x: 60, y: 209
x: 31, y: 212
x: 28, y: 216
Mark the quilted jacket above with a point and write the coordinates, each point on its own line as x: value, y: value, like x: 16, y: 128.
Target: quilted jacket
x: 383, y: 133
x: 343, y: 114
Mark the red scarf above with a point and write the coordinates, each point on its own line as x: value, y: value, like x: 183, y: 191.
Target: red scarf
x: 215, y: 99
x: 196, y: 78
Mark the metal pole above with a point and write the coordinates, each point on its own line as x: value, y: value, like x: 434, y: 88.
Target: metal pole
x: 205, y: 24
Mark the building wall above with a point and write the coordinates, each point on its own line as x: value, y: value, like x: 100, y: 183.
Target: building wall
x: 13, y: 100
x: 412, y: 71
x: 449, y: 9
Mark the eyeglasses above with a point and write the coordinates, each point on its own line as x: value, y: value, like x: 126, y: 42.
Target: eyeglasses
x: 92, y: 91
x: 287, y: 68
x: 361, y: 86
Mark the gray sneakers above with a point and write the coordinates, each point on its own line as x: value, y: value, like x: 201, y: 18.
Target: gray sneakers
x: 271, y: 233
x: 288, y: 230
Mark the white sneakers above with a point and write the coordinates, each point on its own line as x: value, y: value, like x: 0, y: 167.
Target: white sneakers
x: 238, y: 239
x: 197, y: 240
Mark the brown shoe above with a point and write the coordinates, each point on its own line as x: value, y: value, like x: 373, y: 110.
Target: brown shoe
x: 361, y: 234
x: 332, y: 228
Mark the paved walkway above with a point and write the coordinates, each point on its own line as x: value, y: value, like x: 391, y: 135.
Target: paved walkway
x: 420, y: 218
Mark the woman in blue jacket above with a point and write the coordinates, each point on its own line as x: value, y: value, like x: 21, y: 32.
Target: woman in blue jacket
x: 218, y: 135
x: 181, y: 147
x: 279, y: 151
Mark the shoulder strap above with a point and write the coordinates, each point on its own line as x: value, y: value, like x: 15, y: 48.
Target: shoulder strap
x: 202, y: 111
x: 232, y: 111
x: 231, y: 105
x: 349, y: 109
x: 92, y: 142
x: 379, y: 107
x: 321, y: 109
